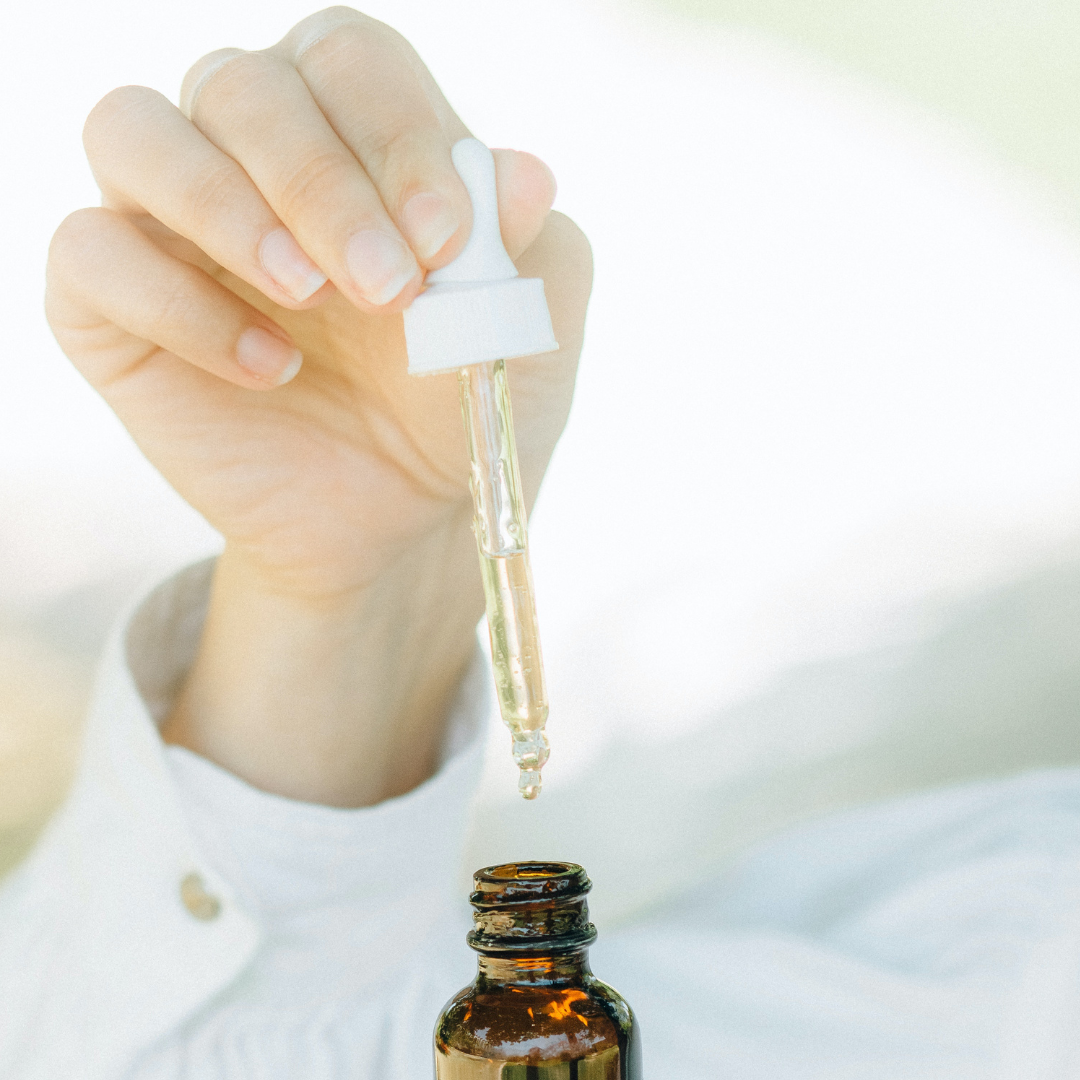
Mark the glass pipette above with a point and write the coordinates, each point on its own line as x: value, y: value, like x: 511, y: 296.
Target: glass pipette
x: 500, y: 525
x: 475, y: 313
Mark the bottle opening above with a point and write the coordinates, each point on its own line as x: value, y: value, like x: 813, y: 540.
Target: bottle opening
x: 531, y: 907
x: 521, y: 882
x: 530, y: 870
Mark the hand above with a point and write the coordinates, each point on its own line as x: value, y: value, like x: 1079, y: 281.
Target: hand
x: 288, y: 212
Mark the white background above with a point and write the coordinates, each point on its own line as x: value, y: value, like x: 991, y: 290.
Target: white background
x: 830, y: 383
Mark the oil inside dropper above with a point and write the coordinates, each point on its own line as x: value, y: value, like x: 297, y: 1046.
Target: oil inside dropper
x: 502, y: 542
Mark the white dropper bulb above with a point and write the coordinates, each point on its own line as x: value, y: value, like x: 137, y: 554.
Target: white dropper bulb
x: 483, y: 258
x: 477, y: 309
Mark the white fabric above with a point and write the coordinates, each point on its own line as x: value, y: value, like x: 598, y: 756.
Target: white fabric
x: 935, y: 936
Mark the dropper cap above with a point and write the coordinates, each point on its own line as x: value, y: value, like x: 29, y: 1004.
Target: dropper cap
x: 477, y: 309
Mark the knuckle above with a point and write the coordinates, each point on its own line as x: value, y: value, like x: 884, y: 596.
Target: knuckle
x: 388, y: 140
x: 211, y: 196
x: 317, y: 25
x: 335, y: 15
x: 337, y: 29
x: 119, y: 108
x: 308, y: 185
x: 76, y: 236
x: 228, y: 75
x: 200, y: 73
x: 174, y: 312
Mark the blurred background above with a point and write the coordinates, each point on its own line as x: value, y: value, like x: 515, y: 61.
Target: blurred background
x: 825, y: 446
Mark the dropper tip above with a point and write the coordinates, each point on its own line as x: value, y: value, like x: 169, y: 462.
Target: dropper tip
x: 531, y: 753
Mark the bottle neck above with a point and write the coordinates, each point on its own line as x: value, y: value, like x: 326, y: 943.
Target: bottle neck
x: 531, y: 924
x: 549, y: 926
x: 494, y: 972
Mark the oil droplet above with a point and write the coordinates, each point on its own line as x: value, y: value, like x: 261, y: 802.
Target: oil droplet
x: 529, y: 783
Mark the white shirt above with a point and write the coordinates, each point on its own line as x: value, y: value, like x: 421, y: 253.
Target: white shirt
x: 176, y: 923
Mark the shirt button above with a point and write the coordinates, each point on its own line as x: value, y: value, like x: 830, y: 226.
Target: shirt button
x: 197, y: 900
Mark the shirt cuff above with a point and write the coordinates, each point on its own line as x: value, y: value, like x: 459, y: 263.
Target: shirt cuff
x: 280, y: 856
x: 132, y: 884
x: 283, y: 857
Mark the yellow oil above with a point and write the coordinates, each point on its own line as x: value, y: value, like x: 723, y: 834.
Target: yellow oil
x: 502, y: 543
x: 517, y: 662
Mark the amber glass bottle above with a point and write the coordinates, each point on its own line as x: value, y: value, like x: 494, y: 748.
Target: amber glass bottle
x: 535, y: 1011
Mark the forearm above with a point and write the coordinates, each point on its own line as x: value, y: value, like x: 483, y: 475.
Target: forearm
x: 339, y: 700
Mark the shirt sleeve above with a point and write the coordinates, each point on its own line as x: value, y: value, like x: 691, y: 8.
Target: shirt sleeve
x: 133, y: 913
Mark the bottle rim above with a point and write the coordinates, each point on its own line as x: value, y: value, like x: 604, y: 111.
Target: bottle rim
x: 528, y: 882
x: 531, y: 908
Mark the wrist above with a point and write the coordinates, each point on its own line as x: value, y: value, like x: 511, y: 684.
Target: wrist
x: 338, y: 698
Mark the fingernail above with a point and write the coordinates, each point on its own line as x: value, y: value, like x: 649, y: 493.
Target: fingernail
x: 429, y: 221
x: 267, y: 357
x: 380, y: 264
x: 284, y: 260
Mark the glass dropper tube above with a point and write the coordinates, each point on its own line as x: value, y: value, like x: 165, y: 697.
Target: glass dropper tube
x: 499, y: 521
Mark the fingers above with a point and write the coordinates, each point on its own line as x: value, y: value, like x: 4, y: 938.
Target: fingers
x: 404, y: 134
x: 147, y: 157
x: 327, y: 156
x: 258, y: 110
x: 402, y: 137
x: 115, y: 299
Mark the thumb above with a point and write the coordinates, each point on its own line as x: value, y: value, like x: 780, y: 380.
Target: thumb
x: 526, y: 190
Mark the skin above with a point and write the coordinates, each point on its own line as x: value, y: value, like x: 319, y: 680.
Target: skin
x: 344, y: 605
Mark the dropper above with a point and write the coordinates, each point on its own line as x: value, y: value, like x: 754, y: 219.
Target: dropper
x: 475, y: 314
